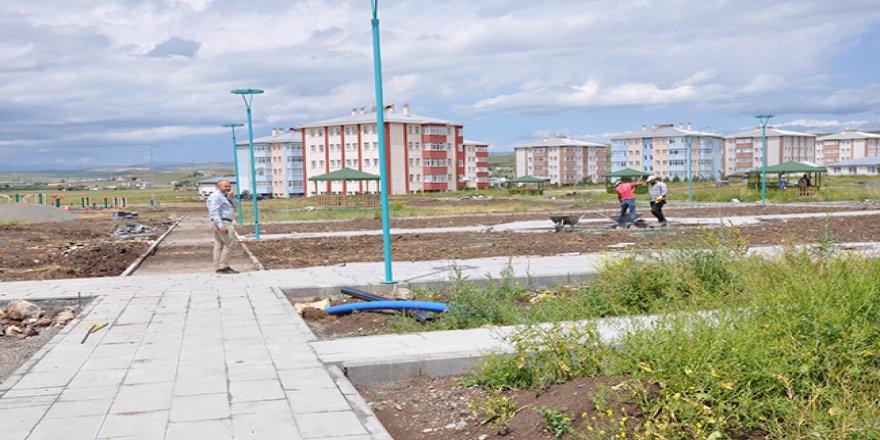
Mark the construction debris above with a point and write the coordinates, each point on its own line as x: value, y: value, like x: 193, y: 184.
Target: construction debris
x: 124, y: 215
x: 128, y: 230
x: 20, y: 318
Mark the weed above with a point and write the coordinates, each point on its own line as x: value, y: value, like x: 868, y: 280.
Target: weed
x: 497, y: 410
x: 557, y: 422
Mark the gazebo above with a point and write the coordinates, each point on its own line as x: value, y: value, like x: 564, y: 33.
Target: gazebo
x: 626, y: 175
x: 811, y: 170
x: 525, y: 185
x: 347, y: 200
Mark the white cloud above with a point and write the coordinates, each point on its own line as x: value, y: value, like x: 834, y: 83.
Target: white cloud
x: 824, y: 123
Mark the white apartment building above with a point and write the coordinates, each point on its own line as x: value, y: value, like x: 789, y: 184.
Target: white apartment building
x: 846, y: 145
x: 422, y: 153
x: 743, y: 150
x: 560, y: 160
x: 277, y: 162
x: 476, y: 164
x: 663, y: 150
x: 864, y: 166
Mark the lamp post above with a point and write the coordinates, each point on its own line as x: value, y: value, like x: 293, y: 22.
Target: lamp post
x: 152, y: 178
x: 380, y: 126
x: 235, y: 160
x: 764, y: 120
x: 248, y: 96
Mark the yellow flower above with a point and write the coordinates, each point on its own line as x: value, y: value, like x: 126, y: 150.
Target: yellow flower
x: 609, y: 412
x: 725, y: 385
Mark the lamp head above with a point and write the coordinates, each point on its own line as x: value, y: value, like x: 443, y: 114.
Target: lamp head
x: 233, y: 125
x: 246, y: 91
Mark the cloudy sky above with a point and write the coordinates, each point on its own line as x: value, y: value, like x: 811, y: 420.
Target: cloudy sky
x: 96, y: 82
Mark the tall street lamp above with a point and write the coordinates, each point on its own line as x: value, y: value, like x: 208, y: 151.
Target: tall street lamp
x: 248, y: 96
x: 380, y: 126
x: 764, y: 120
x: 152, y: 178
x: 237, y: 179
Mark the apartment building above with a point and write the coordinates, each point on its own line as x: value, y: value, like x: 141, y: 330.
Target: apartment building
x: 845, y: 146
x: 422, y: 153
x: 561, y: 160
x: 476, y: 164
x: 278, y: 162
x: 863, y: 166
x: 662, y: 150
x: 743, y: 150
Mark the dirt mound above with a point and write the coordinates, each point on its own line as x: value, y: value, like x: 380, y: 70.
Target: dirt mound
x: 31, y: 213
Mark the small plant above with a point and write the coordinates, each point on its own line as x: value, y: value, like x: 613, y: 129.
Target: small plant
x: 557, y: 422
x: 497, y: 410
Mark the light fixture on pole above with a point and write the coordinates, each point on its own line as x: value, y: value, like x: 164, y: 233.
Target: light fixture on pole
x: 235, y: 161
x: 380, y: 127
x: 152, y: 178
x: 248, y: 96
x: 764, y: 120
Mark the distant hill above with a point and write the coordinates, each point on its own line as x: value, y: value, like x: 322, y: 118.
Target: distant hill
x: 501, y: 164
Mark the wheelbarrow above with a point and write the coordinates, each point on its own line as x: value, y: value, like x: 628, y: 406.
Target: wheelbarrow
x: 561, y: 221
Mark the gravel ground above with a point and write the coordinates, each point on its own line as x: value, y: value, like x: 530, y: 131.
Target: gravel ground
x: 14, y: 351
x: 29, y: 212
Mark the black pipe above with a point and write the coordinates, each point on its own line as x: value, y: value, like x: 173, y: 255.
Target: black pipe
x: 420, y: 315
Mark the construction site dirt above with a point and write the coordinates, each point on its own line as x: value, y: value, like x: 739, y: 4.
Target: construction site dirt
x: 84, y: 247
x: 324, y: 251
x: 594, y: 211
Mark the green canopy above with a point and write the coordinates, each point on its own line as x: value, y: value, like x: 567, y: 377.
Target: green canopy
x: 628, y: 172
x: 344, y: 174
x: 793, y: 167
x: 526, y: 179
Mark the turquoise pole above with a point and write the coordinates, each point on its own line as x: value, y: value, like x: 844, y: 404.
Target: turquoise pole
x: 764, y: 120
x: 245, y: 94
x: 380, y: 126
x: 253, y: 175
x: 237, y: 179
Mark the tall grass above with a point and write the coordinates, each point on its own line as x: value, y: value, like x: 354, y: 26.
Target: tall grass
x: 791, y: 351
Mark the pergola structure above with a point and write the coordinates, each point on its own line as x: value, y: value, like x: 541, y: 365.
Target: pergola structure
x: 626, y: 175
x: 525, y: 185
x: 797, y: 169
x: 363, y: 199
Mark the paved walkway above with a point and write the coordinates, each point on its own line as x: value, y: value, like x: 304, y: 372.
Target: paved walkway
x: 207, y: 356
x: 189, y: 248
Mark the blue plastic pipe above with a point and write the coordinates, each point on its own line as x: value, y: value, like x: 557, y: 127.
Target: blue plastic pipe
x: 392, y: 305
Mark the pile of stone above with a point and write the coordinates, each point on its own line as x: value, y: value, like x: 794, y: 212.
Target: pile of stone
x: 20, y: 318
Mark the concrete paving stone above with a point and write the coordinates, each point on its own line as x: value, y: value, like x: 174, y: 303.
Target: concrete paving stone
x: 134, y: 425
x: 21, y: 419
x: 122, y: 334
x: 157, y: 350
x: 95, y: 393
x: 77, y: 428
x: 29, y: 401
x: 44, y: 380
x: 200, y: 430
x: 312, y: 401
x: 337, y: 423
x: 143, y: 398
x: 142, y: 372
x: 79, y: 408
x: 97, y: 378
x: 208, y: 383
x: 264, y: 420
x: 32, y: 392
x: 306, y: 379
x: 243, y: 391
x: 239, y: 373
x: 200, y: 407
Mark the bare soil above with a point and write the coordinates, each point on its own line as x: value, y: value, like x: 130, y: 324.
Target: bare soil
x: 604, y: 211
x: 433, y: 409
x: 78, y: 248
x: 306, y: 252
